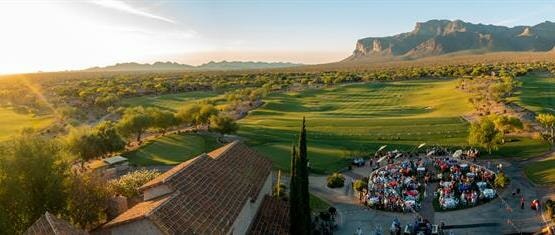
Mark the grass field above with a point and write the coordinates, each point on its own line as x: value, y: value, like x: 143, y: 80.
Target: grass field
x: 172, y: 149
x: 170, y: 102
x: 318, y: 205
x: 537, y: 93
x: 362, y: 117
x: 12, y: 122
x: 542, y: 172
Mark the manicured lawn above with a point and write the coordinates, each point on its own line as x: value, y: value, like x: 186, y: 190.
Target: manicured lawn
x: 172, y: 149
x: 318, y: 205
x: 521, y: 148
x: 542, y: 172
x: 12, y: 122
x: 537, y: 93
x: 362, y: 117
x: 356, y: 118
x: 170, y: 102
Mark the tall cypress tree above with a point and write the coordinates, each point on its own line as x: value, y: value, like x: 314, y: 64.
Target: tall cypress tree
x: 302, y: 178
x: 294, y: 194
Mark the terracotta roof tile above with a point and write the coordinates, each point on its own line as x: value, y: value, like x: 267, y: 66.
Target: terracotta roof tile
x: 49, y: 224
x: 138, y: 211
x: 272, y: 218
x: 211, y: 190
x: 163, y: 177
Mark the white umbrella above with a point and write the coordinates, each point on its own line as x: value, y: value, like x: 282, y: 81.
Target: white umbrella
x: 398, y: 155
x: 382, y: 158
x: 431, y: 153
x: 381, y: 148
x: 421, y: 145
x: 457, y: 153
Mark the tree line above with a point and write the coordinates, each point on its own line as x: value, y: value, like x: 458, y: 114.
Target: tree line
x: 73, y: 93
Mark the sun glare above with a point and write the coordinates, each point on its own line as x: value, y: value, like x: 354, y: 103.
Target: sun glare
x: 60, y: 36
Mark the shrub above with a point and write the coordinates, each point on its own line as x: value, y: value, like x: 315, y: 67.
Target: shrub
x: 336, y: 180
x: 501, y: 180
x: 129, y: 184
x: 360, y: 185
x: 282, y: 191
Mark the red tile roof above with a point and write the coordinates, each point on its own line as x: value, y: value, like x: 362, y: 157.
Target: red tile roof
x: 139, y: 211
x: 210, y: 191
x: 272, y: 218
x: 49, y: 224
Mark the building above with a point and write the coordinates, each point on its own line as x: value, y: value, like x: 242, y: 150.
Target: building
x: 49, y: 224
x: 111, y: 167
x: 216, y: 193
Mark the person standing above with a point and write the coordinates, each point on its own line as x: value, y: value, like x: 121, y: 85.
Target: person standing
x: 522, y: 202
x: 359, y: 231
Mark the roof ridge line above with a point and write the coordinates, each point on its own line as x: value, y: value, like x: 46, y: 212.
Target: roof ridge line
x: 50, y: 222
x: 226, y: 147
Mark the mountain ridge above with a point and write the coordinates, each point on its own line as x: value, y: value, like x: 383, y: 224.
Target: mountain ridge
x: 173, y: 66
x: 438, y: 37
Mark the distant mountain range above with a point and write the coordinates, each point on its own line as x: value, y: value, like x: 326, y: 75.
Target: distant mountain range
x: 167, y: 66
x: 438, y: 37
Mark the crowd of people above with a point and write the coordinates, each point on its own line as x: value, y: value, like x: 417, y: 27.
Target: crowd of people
x: 396, y: 187
x: 462, y: 184
x: 399, y: 185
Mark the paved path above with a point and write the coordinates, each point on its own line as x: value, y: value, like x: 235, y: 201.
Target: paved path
x: 427, y: 210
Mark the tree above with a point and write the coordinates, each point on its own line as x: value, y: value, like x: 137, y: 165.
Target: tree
x: 197, y: 114
x: 110, y: 140
x: 547, y: 120
x: 484, y: 134
x: 83, y: 143
x: 223, y: 124
x: 162, y: 120
x: 87, y: 201
x: 294, y: 206
x: 506, y: 124
x: 89, y: 143
x: 300, y: 215
x: 33, y: 174
x: 501, y: 180
x: 187, y: 115
x: 128, y: 185
x: 134, y: 121
x: 206, y: 111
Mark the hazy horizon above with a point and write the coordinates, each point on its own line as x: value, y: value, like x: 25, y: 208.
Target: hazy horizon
x: 60, y: 35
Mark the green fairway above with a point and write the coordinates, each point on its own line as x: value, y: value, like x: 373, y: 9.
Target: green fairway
x: 172, y: 149
x: 12, y: 122
x: 356, y: 117
x: 170, y: 102
x: 537, y: 93
x: 542, y: 172
x: 353, y: 119
x: 521, y: 148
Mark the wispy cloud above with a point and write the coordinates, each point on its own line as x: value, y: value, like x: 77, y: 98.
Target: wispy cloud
x: 124, y: 7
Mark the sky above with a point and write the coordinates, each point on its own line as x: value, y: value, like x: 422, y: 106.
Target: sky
x: 67, y: 35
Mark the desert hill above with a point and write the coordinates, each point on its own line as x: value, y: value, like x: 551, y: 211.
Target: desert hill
x: 439, y: 37
x: 172, y: 66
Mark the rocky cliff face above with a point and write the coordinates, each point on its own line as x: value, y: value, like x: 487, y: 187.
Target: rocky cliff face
x: 436, y: 37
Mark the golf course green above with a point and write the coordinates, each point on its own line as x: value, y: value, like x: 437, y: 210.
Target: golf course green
x: 348, y: 120
x: 537, y: 93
